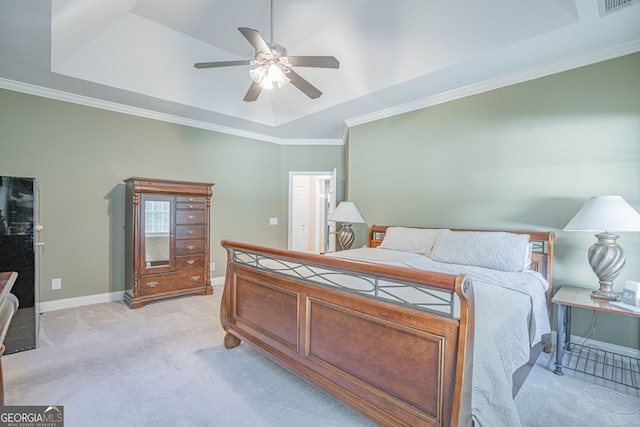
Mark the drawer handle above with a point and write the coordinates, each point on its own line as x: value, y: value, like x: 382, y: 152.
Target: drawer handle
x: 195, y: 278
x: 191, y: 232
x: 191, y: 247
x: 152, y: 284
x: 191, y: 261
x: 191, y: 217
x: 190, y: 206
x: 191, y: 199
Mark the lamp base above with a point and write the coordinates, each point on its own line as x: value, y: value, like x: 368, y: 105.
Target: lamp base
x: 607, y: 259
x: 608, y: 295
x: 346, y: 236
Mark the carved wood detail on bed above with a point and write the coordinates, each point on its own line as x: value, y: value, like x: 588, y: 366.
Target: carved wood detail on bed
x: 396, y: 365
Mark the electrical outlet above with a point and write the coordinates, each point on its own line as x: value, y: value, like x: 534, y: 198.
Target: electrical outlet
x: 212, y: 266
x: 273, y: 221
x: 56, y: 283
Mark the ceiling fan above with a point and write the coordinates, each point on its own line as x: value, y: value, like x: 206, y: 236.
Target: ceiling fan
x: 274, y: 66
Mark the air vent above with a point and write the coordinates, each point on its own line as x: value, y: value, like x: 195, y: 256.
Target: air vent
x: 607, y: 7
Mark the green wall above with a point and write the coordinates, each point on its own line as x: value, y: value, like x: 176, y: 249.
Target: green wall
x: 523, y: 157
x: 80, y: 157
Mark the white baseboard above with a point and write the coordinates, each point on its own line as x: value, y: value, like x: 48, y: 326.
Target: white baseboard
x: 61, y: 304
x: 613, y: 348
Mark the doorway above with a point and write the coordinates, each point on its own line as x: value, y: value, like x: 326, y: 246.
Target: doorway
x: 312, y: 197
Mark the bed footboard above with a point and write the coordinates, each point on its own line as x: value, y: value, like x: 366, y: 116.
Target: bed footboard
x: 396, y: 363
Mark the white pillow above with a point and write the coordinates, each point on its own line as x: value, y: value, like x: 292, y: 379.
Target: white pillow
x: 496, y: 250
x: 405, y: 239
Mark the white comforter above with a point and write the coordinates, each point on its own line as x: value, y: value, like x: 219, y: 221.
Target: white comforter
x: 510, y: 316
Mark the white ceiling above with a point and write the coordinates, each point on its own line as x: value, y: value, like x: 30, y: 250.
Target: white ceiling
x: 395, y: 55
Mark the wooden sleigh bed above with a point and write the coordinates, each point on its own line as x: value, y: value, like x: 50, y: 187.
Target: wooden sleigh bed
x: 394, y: 343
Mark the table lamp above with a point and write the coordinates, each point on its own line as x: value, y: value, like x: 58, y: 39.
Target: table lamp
x: 605, y: 214
x: 347, y: 213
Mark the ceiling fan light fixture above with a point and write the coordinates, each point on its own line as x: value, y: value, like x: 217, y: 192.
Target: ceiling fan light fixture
x: 273, y: 65
x: 266, y: 83
x: 283, y: 81
x: 274, y: 73
x: 269, y: 74
x: 277, y: 75
x: 258, y: 74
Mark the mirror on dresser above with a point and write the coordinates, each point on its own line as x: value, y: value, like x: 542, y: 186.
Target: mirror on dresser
x: 158, y: 230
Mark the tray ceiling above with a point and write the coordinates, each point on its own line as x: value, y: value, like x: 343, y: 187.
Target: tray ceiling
x: 137, y: 56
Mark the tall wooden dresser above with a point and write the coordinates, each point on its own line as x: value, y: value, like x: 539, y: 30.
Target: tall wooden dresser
x: 167, y: 239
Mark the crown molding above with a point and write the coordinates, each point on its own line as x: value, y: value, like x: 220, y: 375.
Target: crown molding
x: 497, y: 83
x: 154, y: 115
x: 503, y: 81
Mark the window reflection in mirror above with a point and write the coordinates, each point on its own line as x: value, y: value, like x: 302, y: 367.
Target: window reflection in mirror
x: 157, y: 226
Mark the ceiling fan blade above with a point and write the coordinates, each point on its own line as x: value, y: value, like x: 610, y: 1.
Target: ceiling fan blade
x: 307, y: 88
x: 256, y: 40
x: 253, y: 92
x: 314, y: 61
x: 221, y: 64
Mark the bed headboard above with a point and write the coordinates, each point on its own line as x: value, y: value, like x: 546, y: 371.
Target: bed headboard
x: 541, y: 258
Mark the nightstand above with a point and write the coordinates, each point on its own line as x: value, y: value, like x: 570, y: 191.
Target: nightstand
x: 596, y: 362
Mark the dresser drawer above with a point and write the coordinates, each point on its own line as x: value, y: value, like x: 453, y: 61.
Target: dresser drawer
x: 150, y: 285
x: 189, y: 261
x: 188, y: 247
x: 190, y: 217
x: 191, y: 199
x: 190, y: 206
x: 195, y: 231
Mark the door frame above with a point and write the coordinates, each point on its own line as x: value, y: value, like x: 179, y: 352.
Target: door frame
x: 332, y: 200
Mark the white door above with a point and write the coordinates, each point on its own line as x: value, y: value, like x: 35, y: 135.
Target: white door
x: 299, y: 220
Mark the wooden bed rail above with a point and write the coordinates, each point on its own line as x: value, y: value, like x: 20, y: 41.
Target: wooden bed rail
x: 433, y: 279
x: 396, y: 365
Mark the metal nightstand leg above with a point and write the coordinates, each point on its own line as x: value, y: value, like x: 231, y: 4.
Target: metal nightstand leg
x: 560, y: 339
x: 567, y: 328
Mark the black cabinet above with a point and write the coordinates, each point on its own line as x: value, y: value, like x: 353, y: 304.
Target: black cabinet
x: 18, y: 252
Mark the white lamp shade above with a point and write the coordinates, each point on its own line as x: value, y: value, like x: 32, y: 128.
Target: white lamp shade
x: 346, y: 212
x: 605, y: 213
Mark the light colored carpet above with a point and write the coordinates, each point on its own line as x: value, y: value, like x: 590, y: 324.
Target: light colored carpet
x: 164, y: 365
x: 574, y: 399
